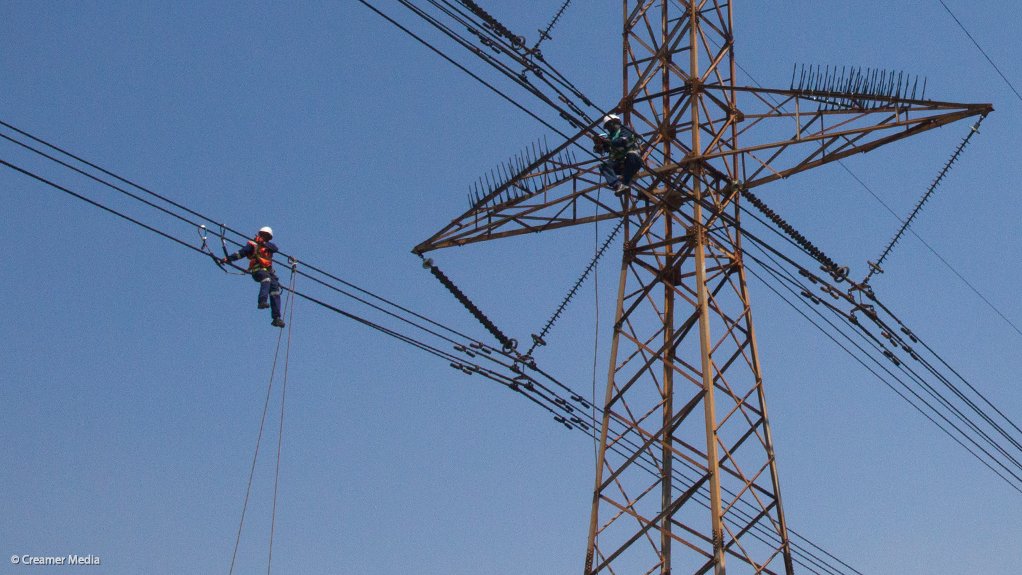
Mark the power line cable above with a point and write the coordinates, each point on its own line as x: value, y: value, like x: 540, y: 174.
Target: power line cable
x: 937, y: 254
x: 981, y: 50
x: 463, y: 68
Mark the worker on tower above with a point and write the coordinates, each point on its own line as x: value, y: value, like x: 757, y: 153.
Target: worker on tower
x: 621, y: 146
x: 259, y: 252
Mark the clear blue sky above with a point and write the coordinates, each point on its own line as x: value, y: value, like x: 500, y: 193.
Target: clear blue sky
x: 133, y: 373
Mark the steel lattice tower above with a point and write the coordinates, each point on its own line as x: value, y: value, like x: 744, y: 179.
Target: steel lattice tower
x: 686, y: 480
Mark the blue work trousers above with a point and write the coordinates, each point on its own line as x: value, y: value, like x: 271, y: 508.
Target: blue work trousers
x: 621, y: 171
x: 269, y: 288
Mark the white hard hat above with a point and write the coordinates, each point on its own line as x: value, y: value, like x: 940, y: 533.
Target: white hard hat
x: 611, y: 118
x: 266, y: 230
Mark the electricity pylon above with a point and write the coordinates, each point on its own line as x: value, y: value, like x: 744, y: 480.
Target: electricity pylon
x: 686, y: 480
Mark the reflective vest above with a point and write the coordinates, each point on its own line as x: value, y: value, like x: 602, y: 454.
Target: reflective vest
x: 261, y: 258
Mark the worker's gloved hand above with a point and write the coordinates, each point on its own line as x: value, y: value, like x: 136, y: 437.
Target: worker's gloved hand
x: 619, y: 143
x: 225, y: 261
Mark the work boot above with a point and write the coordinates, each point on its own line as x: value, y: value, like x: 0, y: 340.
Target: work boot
x: 263, y: 305
x: 277, y: 322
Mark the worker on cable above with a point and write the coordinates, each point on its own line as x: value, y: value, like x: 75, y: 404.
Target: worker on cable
x: 621, y: 146
x: 259, y: 252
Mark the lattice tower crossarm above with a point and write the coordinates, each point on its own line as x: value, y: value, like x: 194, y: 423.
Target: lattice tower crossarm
x: 686, y: 480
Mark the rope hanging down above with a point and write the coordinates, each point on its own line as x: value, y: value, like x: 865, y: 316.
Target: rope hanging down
x: 507, y: 343
x: 874, y: 267
x: 283, y: 396
x: 289, y: 308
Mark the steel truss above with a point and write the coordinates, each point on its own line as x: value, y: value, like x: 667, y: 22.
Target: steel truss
x: 686, y: 479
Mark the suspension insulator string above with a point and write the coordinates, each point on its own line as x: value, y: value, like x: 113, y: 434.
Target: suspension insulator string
x: 507, y: 343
